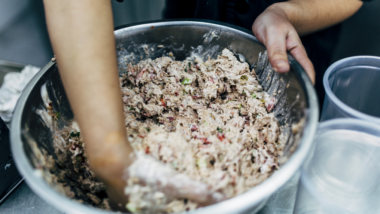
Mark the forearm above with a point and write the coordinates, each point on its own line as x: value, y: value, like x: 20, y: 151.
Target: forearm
x: 82, y: 36
x: 308, y: 16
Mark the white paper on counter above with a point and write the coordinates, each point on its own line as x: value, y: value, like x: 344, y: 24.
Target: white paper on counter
x: 13, y: 84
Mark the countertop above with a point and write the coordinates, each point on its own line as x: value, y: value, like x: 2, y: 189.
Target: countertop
x: 24, y: 201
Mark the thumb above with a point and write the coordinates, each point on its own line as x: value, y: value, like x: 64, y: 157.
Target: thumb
x: 276, y: 47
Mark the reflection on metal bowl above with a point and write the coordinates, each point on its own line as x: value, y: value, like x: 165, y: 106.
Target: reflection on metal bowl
x: 297, y: 103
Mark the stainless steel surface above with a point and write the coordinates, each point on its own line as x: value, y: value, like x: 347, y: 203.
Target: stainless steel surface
x: 351, y: 86
x: 180, y: 37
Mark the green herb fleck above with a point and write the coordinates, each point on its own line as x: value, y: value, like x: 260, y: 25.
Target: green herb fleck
x: 186, y: 81
x: 131, y: 207
x: 258, y: 115
x: 244, y: 77
x: 201, y: 163
x: 58, y: 115
x: 253, y: 95
x: 185, y: 69
x: 147, y: 129
x: 189, y: 64
x: 131, y: 108
x: 219, y: 130
x: 243, y: 92
x: 174, y: 164
x: 74, y: 134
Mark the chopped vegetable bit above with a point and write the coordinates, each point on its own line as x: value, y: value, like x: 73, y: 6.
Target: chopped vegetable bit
x: 220, y: 136
x: 196, y: 96
x: 189, y: 64
x: 57, y: 115
x: 174, y: 164
x: 243, y: 92
x: 258, y: 115
x: 73, y: 134
x: 186, y: 81
x: 243, y: 77
x: 202, y: 163
x: 147, y: 129
x: 253, y: 95
x: 219, y: 130
x: 131, y: 207
x: 185, y: 69
x: 163, y: 103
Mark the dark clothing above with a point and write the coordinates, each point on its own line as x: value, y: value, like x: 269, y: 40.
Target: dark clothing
x: 319, y: 46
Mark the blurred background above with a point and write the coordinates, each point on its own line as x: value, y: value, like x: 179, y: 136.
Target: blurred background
x: 24, y: 39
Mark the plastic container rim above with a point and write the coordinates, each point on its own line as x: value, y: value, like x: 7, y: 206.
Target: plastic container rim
x: 335, y: 100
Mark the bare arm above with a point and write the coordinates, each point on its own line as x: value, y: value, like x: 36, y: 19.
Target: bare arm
x: 308, y: 16
x: 82, y: 36
x: 81, y: 32
x: 280, y: 25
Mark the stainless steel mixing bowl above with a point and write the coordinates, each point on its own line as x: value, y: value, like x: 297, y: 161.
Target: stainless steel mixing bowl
x: 295, y: 93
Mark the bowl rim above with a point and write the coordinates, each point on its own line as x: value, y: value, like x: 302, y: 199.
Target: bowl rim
x: 239, y: 203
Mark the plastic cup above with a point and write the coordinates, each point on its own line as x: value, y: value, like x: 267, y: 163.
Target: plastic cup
x: 342, y: 175
x: 352, y: 89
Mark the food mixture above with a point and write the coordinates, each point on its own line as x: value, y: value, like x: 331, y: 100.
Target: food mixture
x: 208, y: 120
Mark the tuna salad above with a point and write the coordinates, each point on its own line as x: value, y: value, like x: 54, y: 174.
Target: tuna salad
x: 209, y: 120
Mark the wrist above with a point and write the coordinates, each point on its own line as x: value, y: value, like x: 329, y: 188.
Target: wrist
x: 286, y: 10
x: 283, y: 9
x: 110, y: 157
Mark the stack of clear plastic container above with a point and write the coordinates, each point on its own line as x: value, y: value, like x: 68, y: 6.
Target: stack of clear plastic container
x: 342, y: 174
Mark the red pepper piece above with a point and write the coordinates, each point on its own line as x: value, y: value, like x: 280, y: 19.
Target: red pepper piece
x: 147, y: 150
x: 196, y: 96
x: 194, y: 127
x: 163, y: 103
x: 220, y: 136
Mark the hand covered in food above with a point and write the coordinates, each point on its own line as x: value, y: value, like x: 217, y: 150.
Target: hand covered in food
x: 151, y: 178
x: 148, y: 171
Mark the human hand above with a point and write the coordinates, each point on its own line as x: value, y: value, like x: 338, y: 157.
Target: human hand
x: 114, y: 164
x: 146, y: 170
x: 275, y: 31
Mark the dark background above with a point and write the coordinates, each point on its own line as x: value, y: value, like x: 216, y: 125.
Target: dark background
x: 23, y: 38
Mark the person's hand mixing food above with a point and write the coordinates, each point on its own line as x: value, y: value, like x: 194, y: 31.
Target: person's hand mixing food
x: 280, y: 25
x: 81, y: 33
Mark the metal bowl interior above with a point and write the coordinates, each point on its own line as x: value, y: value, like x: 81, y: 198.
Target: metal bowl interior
x: 294, y: 91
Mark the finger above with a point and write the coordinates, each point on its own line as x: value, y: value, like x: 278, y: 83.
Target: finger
x: 276, y: 47
x: 184, y: 187
x: 173, y: 184
x: 295, y: 47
